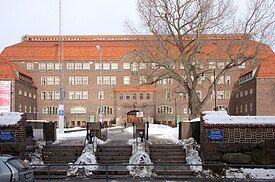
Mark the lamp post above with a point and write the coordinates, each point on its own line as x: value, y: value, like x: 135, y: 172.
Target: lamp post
x: 215, y: 90
x: 101, y: 84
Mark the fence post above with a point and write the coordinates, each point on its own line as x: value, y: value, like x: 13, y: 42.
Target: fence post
x: 107, y: 177
x: 225, y: 168
x: 164, y: 172
x: 48, y: 172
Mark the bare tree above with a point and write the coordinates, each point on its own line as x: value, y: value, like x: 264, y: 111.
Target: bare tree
x: 194, y: 32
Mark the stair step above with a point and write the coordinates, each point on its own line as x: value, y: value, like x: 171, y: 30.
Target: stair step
x: 110, y: 176
x: 113, y: 154
x: 112, y: 161
x: 168, y: 153
x: 113, y: 150
x: 166, y: 150
x: 165, y: 146
x: 167, y: 157
x: 176, y: 177
x: 112, y: 157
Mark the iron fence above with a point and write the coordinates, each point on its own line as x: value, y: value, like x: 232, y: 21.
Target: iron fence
x: 46, y: 168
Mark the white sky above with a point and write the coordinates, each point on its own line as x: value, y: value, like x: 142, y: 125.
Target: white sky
x: 80, y: 17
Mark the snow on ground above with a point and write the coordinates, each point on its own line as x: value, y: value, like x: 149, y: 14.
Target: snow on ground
x: 87, y: 157
x: 9, y: 118
x: 72, y: 138
x: 256, y: 173
x: 221, y: 117
x: 139, y: 156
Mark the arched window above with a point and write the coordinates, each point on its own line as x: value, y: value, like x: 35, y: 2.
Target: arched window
x: 148, y: 96
x: 50, y: 110
x: 141, y: 96
x: 106, y: 110
x: 134, y: 96
x: 78, y: 110
x: 121, y: 96
x: 164, y: 109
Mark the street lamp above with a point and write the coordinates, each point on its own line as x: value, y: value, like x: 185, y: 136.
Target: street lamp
x: 101, y: 84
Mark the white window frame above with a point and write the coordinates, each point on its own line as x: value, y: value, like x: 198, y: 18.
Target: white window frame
x: 70, y: 66
x: 71, y: 80
x: 126, y: 66
x: 113, y: 80
x: 71, y: 95
x: 85, y: 95
x: 30, y: 66
x: 106, y: 80
x: 126, y: 80
x: 78, y: 66
x: 86, y: 66
x: 42, y: 66
x: 50, y: 66
x: 142, y: 66
x: 114, y: 66
x: 106, y: 66
x: 57, y: 80
x: 78, y: 80
x: 98, y: 66
x: 85, y: 80
x: 101, y: 95
x: 78, y: 95
x: 99, y: 80
x: 50, y: 80
x: 57, y: 95
x: 57, y: 66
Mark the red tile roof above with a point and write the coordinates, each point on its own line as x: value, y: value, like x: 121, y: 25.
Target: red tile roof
x: 8, y: 69
x: 113, y: 47
x: 141, y: 88
x: 267, y: 67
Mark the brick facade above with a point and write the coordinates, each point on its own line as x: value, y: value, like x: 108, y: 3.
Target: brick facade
x: 43, y: 50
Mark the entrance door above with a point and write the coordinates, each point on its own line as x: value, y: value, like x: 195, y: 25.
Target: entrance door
x: 132, y: 117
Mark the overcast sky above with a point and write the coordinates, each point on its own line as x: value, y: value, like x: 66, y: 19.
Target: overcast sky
x: 80, y: 17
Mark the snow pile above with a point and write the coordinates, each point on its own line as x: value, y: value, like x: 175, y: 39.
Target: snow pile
x: 35, y: 158
x: 192, y: 155
x: 139, y: 156
x: 69, y: 136
x: 87, y: 157
x: 256, y: 173
x: 221, y: 117
x: 10, y: 118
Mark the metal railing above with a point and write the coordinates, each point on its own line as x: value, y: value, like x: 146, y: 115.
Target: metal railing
x: 39, y: 169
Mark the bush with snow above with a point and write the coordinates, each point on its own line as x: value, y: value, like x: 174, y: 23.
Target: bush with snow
x: 138, y: 159
x: 35, y: 158
x: 87, y: 161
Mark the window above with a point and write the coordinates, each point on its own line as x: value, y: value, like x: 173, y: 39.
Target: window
x: 126, y: 80
x: 199, y: 94
x: 106, y: 110
x: 221, y: 80
x: 78, y: 110
x: 42, y: 66
x: 86, y: 66
x: 50, y: 95
x: 170, y: 81
x: 71, y: 80
x: 30, y: 66
x: 78, y: 95
x: 212, y: 65
x: 154, y: 65
x: 114, y: 66
x: 241, y: 108
x: 251, y: 107
x: 142, y: 80
x: 78, y: 80
x: 134, y: 67
x: 71, y: 95
x: 85, y: 95
x: 25, y: 94
x: 20, y: 108
x: 30, y: 95
x: 227, y: 80
x: 251, y: 91
x: 70, y: 66
x: 25, y: 108
x: 106, y: 80
x: 134, y: 96
x: 34, y: 110
x: 57, y: 95
x: 220, y: 65
x: 127, y: 97
x: 101, y: 95
x: 20, y: 92
x: 43, y: 80
x: 164, y: 109
x: 85, y: 80
x: 148, y: 96
x: 141, y: 96
x: 246, y: 92
x: 242, y: 66
x: 181, y: 66
x: 50, y: 110
x: 106, y: 66
x: 237, y: 95
x: 50, y: 80
x: 78, y: 66
x: 98, y: 66
x: 121, y: 96
x: 142, y: 66
x: 168, y: 95
x: 43, y: 95
x: 241, y: 93
x: 113, y: 80
x: 220, y: 95
x: 245, y: 108
x: 50, y: 66
x: 57, y: 66
x: 126, y: 66
x: 30, y: 109
x: 56, y: 80
x: 99, y: 80
x: 34, y: 96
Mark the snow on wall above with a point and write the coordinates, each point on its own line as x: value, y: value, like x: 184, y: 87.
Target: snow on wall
x: 9, y: 118
x: 221, y: 117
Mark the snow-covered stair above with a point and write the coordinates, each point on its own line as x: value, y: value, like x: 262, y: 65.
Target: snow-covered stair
x: 169, y: 160
x: 113, y: 155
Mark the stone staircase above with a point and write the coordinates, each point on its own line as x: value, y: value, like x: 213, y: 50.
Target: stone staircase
x: 169, y: 160
x: 58, y: 156
x: 112, y: 155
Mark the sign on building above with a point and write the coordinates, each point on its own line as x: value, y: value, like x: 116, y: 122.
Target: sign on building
x: 215, y: 134
x: 139, y: 114
x: 5, y: 96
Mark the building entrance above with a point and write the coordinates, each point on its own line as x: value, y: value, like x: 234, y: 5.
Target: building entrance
x: 132, y: 117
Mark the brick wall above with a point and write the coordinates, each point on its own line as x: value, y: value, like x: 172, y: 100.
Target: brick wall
x: 241, y: 144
